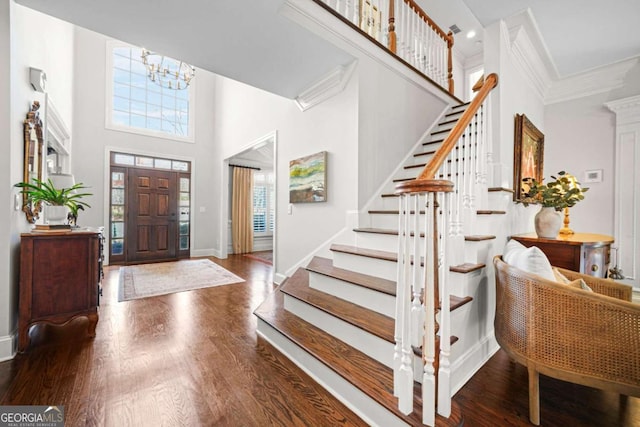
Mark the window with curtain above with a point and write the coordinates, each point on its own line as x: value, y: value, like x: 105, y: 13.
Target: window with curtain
x: 263, y: 204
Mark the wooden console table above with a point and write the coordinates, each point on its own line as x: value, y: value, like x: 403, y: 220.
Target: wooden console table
x: 60, y: 275
x: 583, y: 252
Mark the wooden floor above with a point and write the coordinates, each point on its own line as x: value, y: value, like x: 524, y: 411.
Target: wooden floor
x: 193, y: 359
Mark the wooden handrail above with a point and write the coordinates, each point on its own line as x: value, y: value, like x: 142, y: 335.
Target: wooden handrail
x: 439, y: 157
x: 447, y: 37
x: 429, y: 21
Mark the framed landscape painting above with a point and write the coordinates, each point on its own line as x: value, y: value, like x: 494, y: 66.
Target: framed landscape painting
x: 528, y: 155
x: 308, y: 179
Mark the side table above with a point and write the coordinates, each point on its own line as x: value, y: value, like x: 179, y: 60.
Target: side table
x: 583, y: 252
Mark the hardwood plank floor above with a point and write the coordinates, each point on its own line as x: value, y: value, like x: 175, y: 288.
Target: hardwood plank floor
x: 187, y: 359
x: 193, y: 359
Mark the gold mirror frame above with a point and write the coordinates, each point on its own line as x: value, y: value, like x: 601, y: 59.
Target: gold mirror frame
x: 528, y: 155
x: 33, y: 144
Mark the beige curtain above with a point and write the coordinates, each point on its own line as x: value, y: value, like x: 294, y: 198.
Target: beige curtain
x: 242, y: 210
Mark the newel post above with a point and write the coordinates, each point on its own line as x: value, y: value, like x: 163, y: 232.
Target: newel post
x: 392, y: 26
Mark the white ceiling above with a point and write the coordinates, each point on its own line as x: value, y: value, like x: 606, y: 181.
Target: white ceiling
x: 233, y: 38
x: 579, y: 34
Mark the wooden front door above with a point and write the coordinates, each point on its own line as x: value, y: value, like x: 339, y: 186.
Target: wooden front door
x: 151, y: 219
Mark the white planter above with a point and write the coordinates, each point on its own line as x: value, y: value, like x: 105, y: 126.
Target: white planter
x: 56, y: 214
x: 548, y: 223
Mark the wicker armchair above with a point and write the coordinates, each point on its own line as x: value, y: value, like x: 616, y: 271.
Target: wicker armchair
x: 588, y: 338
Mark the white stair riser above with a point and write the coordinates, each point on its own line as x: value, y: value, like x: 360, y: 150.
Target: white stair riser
x: 389, y: 203
x: 365, y: 265
x: 368, y: 409
x: 478, y: 252
x: 384, y: 221
x: 487, y: 224
x: 373, y: 300
x: 500, y: 200
x: 381, y: 242
x: 369, y: 344
x: 464, y: 284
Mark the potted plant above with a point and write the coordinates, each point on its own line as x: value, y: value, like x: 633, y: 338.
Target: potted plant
x: 45, y: 192
x: 554, y: 196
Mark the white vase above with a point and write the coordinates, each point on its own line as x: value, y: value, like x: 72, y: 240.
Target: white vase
x: 548, y: 222
x: 56, y: 214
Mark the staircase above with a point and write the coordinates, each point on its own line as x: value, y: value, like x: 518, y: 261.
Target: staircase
x: 335, y: 318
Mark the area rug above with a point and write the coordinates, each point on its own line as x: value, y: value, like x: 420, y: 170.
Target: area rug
x: 262, y: 256
x: 146, y: 280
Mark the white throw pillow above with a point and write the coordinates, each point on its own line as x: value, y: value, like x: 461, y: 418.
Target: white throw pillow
x: 531, y: 260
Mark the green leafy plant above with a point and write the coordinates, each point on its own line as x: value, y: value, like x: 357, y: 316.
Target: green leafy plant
x: 45, y: 192
x: 563, y: 192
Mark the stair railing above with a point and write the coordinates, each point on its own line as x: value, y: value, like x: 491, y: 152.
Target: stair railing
x: 446, y: 189
x: 406, y: 30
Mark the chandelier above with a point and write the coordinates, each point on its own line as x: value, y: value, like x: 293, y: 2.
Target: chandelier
x: 167, y: 72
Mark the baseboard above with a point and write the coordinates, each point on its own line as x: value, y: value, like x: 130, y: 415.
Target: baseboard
x: 206, y: 252
x: 8, y: 344
x: 278, y: 278
x: 466, y: 366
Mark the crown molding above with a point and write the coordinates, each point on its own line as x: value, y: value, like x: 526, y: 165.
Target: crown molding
x: 627, y: 110
x: 331, y: 84
x: 599, y: 80
x: 528, y: 51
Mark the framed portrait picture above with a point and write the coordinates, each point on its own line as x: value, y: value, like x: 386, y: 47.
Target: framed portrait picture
x: 308, y: 179
x: 528, y: 155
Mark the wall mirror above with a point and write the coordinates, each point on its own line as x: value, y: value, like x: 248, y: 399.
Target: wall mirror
x: 33, y: 143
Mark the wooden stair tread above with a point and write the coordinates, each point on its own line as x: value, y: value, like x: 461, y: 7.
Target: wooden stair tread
x: 390, y: 195
x: 419, y: 165
x: 376, y: 231
x: 466, y: 267
x: 496, y: 189
x: 490, y: 212
x: 391, y: 212
x: 435, y: 141
x: 478, y: 238
x: 370, y: 253
x: 463, y: 105
x: 325, y: 267
x: 367, y: 320
x: 368, y: 375
x: 457, y: 302
x: 426, y: 153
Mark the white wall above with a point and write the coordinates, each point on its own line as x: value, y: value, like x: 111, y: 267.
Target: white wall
x: 515, y: 94
x: 38, y: 41
x: 91, y: 138
x: 245, y: 114
x: 580, y: 136
x: 393, y: 114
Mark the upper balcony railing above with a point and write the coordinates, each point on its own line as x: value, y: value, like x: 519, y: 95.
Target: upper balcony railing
x: 407, y: 31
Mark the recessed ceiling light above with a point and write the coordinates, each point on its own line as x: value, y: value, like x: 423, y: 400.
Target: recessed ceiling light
x: 471, y: 34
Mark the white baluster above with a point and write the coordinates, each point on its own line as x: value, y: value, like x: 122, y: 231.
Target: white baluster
x: 444, y: 372
x: 397, y: 355
x: 428, y: 346
x: 405, y: 381
x: 417, y: 313
x: 340, y: 8
x: 355, y: 18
